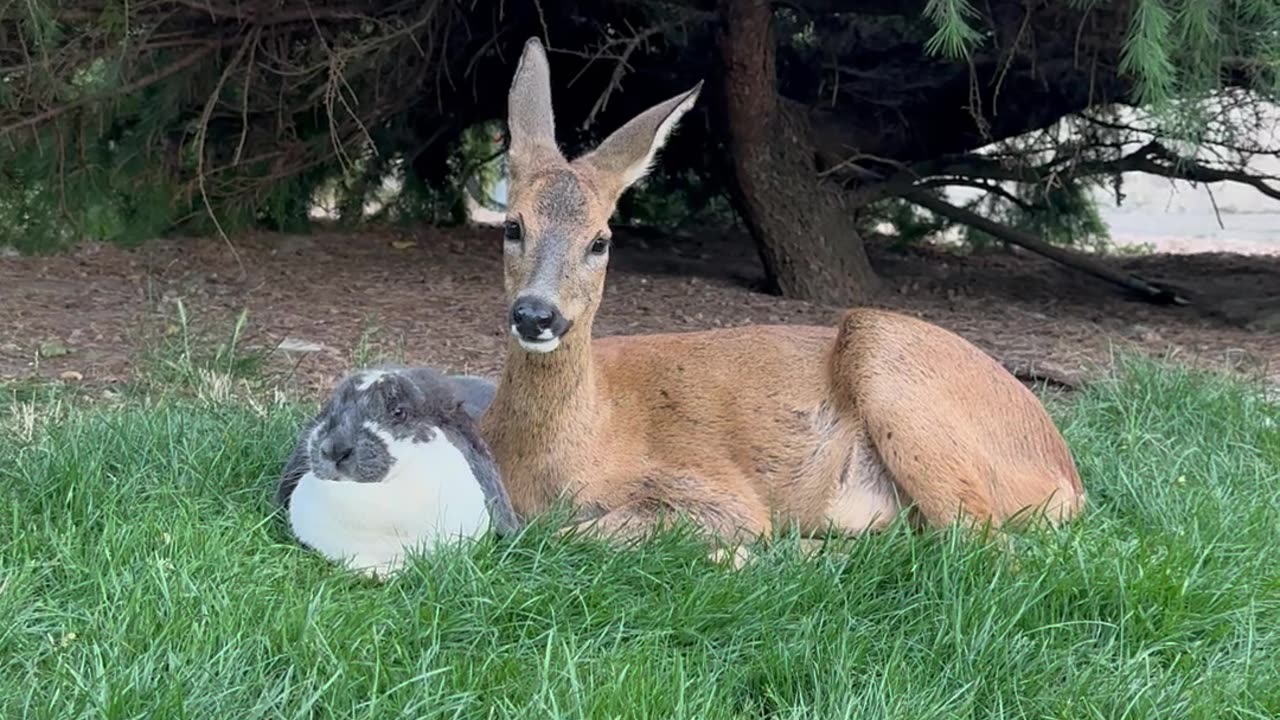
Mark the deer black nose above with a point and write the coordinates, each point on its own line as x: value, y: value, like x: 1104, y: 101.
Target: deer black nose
x: 535, y: 319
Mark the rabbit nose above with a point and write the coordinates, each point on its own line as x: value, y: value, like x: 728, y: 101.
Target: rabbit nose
x: 336, y: 451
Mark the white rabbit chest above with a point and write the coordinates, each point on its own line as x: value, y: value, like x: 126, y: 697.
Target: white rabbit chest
x: 429, y: 494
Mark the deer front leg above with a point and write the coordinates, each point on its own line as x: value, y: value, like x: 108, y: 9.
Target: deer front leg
x: 726, y: 511
x: 634, y: 520
x: 624, y: 523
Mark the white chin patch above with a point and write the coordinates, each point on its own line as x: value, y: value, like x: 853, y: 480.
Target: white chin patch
x: 545, y: 343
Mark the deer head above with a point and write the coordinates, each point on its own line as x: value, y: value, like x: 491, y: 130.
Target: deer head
x: 556, y: 235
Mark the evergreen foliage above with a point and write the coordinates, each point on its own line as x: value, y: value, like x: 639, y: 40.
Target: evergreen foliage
x: 122, y: 120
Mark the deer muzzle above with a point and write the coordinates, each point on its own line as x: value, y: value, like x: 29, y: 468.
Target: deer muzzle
x: 537, y: 324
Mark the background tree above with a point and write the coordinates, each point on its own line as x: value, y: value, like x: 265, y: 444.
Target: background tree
x: 126, y: 120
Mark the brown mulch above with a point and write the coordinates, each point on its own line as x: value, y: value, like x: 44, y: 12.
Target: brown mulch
x: 434, y: 297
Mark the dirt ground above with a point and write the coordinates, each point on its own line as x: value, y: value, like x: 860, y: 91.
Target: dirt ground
x: 435, y: 297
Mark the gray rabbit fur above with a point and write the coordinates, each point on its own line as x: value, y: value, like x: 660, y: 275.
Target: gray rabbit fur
x: 476, y: 392
x: 393, y: 457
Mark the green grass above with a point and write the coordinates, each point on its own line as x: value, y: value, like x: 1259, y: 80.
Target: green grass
x: 143, y: 577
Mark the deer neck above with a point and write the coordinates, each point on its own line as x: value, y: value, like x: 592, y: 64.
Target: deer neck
x: 539, y: 424
x: 543, y: 402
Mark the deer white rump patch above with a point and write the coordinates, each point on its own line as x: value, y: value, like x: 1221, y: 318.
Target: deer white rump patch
x: 866, y: 498
x: 429, y: 495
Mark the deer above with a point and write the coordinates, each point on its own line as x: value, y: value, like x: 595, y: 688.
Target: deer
x: 741, y: 430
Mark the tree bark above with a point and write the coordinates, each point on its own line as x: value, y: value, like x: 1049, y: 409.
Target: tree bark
x: 803, y: 230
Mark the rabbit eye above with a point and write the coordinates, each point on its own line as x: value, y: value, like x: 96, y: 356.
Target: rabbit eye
x: 398, y: 413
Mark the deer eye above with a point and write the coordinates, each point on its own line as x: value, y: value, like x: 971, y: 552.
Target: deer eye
x: 512, y: 232
x: 600, y: 246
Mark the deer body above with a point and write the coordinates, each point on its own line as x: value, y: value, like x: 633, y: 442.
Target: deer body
x: 744, y: 427
x: 739, y: 429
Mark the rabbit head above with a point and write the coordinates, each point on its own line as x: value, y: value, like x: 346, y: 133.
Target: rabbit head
x: 347, y: 442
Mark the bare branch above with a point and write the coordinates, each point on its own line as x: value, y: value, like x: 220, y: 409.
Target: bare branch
x: 978, y: 185
x: 620, y: 51
x: 200, y: 140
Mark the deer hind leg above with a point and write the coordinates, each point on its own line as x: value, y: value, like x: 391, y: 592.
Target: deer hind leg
x: 962, y: 439
x: 951, y: 473
x: 945, y: 481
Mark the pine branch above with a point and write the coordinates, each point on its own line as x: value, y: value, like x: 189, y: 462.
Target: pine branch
x: 145, y: 81
x: 978, y: 185
x: 268, y: 15
x: 1145, y: 289
x: 619, y: 50
x: 1156, y: 159
x: 173, y: 10
x: 1153, y: 158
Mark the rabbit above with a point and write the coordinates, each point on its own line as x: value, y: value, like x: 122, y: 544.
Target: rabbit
x: 393, y: 459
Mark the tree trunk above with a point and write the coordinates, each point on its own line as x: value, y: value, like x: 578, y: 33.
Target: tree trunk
x: 803, y: 230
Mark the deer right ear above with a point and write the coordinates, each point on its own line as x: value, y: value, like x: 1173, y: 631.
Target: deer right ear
x: 627, y: 154
x: 529, y: 118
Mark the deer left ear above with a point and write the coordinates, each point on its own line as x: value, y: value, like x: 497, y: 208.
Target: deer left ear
x: 628, y: 153
x: 530, y: 118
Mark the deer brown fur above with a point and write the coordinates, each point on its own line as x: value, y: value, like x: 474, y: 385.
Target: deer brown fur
x: 740, y: 429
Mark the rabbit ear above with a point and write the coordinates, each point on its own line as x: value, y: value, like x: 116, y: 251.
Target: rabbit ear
x: 502, y: 515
